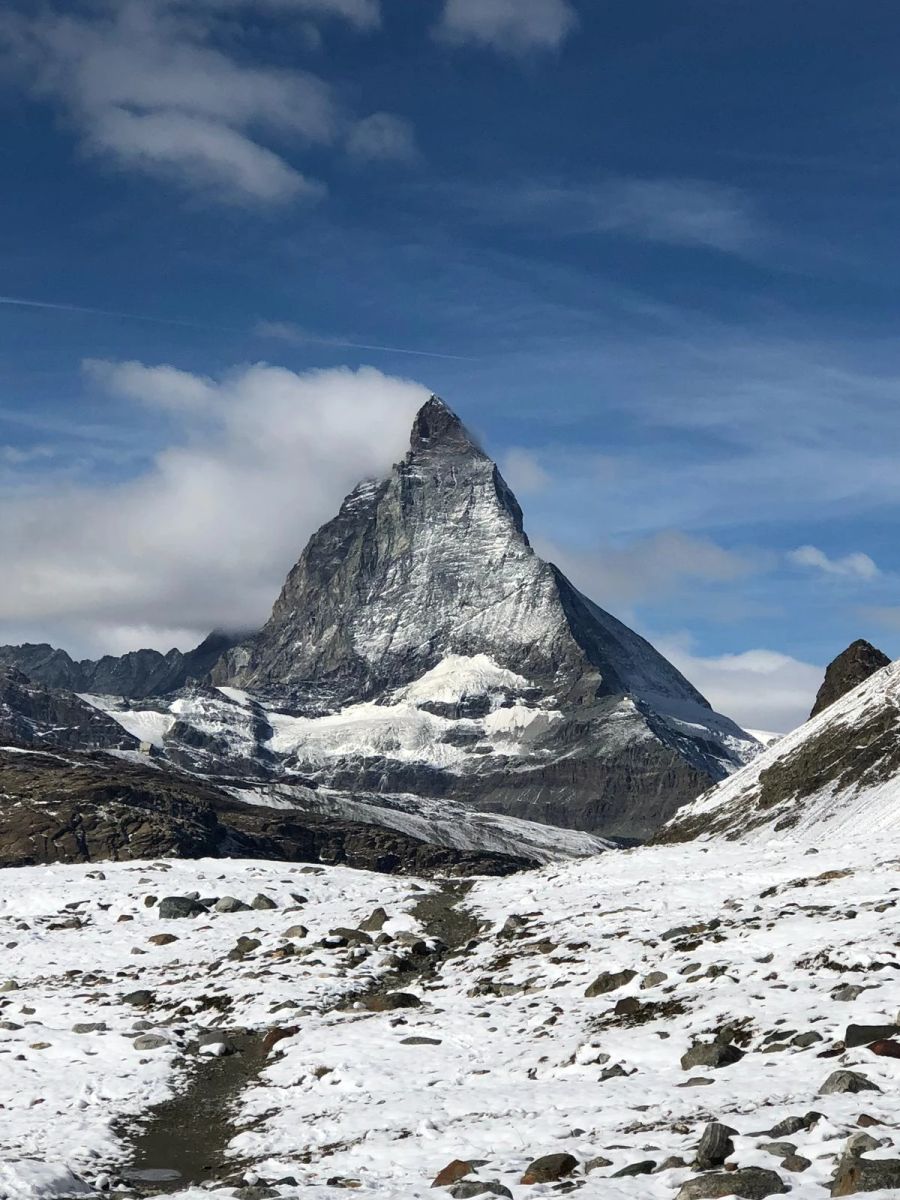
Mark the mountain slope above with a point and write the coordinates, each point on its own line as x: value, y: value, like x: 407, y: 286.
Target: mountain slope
x: 432, y: 566
x: 138, y: 674
x: 837, y: 774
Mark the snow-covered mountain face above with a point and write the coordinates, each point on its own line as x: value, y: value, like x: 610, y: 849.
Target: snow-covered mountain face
x: 421, y: 646
x: 834, y: 776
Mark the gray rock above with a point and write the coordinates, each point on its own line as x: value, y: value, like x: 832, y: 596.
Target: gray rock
x: 262, y: 903
x: 778, y: 1149
x: 549, y: 1168
x: 654, y: 979
x: 856, y: 1174
x: 90, y: 1027
x: 230, y: 904
x: 375, y: 922
x: 646, y: 1167
x: 150, y: 1041
x: 142, y: 998
x: 847, y: 1081
x: 715, y: 1146
x: 711, y: 1054
x: 389, y: 1001
x: 794, y: 1125
x: 847, y: 992
x: 9, y: 986
x: 609, y: 981
x: 862, y: 1035
x: 796, y: 1163
x: 180, y: 907
x: 806, y: 1039
x: 750, y: 1183
x: 465, y: 1189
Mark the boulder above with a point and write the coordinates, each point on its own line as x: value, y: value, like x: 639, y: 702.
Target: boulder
x: 231, y: 904
x: 750, y: 1183
x: 857, y: 1174
x: 712, y: 1054
x: 549, y: 1168
x: 863, y: 1035
x: 388, y: 1001
x: 175, y: 907
x: 453, y: 1172
x: 847, y: 1081
x: 608, y: 981
x: 715, y: 1146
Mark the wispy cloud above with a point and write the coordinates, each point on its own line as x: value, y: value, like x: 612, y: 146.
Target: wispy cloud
x: 507, y: 26
x: 148, y: 86
x: 669, y: 211
x: 286, y: 332
x: 382, y: 137
x: 852, y: 566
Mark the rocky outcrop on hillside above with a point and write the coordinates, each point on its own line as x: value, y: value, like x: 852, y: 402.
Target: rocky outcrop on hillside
x: 851, y: 668
x: 94, y: 808
x: 31, y: 715
x: 138, y: 674
x: 836, y: 774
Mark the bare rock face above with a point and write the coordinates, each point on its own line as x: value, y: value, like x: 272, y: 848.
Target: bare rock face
x: 433, y: 564
x: 851, y: 668
x: 34, y: 715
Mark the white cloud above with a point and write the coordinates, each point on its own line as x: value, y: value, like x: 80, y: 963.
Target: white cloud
x: 205, y: 536
x: 509, y: 26
x: 647, y: 568
x: 760, y: 689
x: 680, y: 212
x: 147, y: 87
x: 851, y: 566
x: 382, y: 137
x: 523, y: 472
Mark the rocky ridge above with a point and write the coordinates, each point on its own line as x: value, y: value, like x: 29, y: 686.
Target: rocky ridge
x: 852, y: 667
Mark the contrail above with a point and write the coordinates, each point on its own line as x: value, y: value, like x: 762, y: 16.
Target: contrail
x: 271, y: 329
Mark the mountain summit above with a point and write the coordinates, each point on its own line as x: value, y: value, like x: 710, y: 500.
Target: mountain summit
x: 426, y: 648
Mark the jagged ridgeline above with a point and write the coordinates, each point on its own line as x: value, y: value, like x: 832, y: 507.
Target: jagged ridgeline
x: 421, y: 653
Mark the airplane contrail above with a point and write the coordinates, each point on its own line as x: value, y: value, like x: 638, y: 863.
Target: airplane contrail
x: 272, y: 329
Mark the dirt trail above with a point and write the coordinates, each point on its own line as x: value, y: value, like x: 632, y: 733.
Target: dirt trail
x: 184, y: 1141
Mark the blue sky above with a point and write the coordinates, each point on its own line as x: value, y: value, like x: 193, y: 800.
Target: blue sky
x: 647, y: 251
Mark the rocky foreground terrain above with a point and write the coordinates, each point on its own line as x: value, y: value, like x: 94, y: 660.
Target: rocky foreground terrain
x: 671, y: 1022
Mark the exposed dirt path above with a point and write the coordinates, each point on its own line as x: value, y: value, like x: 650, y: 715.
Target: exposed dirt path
x: 184, y: 1141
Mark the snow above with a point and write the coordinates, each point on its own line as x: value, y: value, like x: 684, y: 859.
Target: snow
x: 458, y: 676
x: 147, y: 725
x: 831, y: 813
x: 516, y: 1071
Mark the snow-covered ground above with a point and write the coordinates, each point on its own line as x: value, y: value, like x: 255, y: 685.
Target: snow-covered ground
x: 519, y: 1062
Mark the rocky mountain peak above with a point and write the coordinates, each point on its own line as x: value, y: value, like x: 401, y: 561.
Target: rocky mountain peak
x: 851, y: 668
x: 438, y: 428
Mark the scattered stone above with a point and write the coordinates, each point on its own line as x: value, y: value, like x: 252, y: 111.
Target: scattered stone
x: 468, y: 1188
x: 175, y: 907
x: 549, y: 1168
x: 375, y: 922
x: 855, y: 1174
x: 713, y: 1054
x: 673, y: 1163
x: 162, y: 939
x: 245, y: 946
x: 794, y: 1125
x: 778, y: 1149
x: 388, y: 1001
x: 847, y: 992
x: 230, y: 904
x: 453, y: 1172
x: 420, y: 1041
x: 647, y: 1167
x: 750, y: 1183
x: 806, y: 1039
x: 886, y: 1048
x: 864, y: 1035
x: 150, y: 1041
x: 608, y: 981
x: 594, y: 1164
x: 796, y: 1163
x: 140, y: 999
x: 654, y: 979
x: 350, y: 937
x: 296, y: 931
x: 715, y: 1146
x: 262, y: 903
x: 274, y: 1036
x: 847, y: 1081
x: 90, y: 1027
x: 9, y: 986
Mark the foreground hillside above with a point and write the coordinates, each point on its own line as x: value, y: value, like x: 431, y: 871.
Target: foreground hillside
x: 607, y: 1010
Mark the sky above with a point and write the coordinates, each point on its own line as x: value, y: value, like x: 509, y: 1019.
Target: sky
x: 648, y: 252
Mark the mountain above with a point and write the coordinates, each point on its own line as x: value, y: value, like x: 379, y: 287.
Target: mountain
x: 138, y: 674
x: 851, y: 668
x: 421, y: 646
x: 31, y: 715
x: 837, y: 775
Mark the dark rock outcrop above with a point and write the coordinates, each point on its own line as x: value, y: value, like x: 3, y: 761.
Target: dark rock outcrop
x: 137, y: 674
x: 92, y: 807
x: 851, y: 668
x: 31, y: 715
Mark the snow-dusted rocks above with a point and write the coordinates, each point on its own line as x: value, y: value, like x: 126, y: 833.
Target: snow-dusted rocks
x: 835, y: 776
x: 420, y: 646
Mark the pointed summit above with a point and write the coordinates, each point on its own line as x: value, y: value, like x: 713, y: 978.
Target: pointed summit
x: 851, y: 668
x: 437, y: 427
